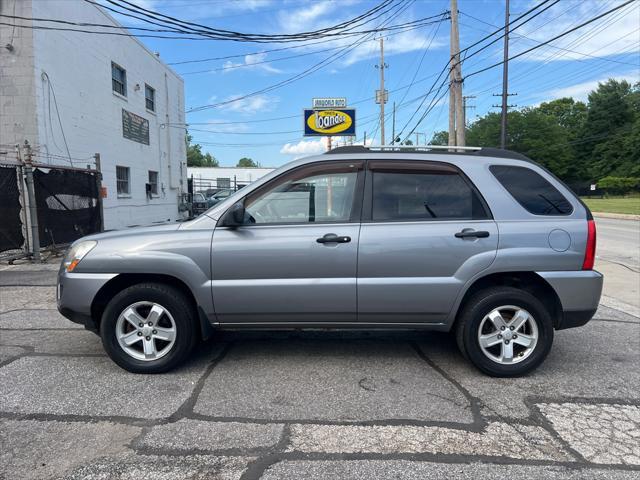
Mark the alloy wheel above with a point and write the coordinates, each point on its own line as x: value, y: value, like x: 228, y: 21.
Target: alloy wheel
x: 508, y: 334
x: 146, y: 331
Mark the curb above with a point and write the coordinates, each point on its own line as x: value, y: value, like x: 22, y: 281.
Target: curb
x: 619, y: 216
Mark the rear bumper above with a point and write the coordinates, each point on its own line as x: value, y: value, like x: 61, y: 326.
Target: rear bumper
x: 575, y: 319
x: 579, y: 293
x: 75, y: 293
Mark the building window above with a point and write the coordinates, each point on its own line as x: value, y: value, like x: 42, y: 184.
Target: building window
x: 122, y: 180
x: 150, y: 97
x: 222, y: 182
x: 153, y: 182
x: 118, y: 79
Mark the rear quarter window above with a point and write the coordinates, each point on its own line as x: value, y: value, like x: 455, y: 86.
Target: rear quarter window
x: 531, y: 190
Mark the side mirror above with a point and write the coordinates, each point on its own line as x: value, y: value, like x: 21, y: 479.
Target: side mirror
x: 235, y: 216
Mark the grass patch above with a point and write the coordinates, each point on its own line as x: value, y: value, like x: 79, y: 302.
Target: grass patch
x: 614, y: 205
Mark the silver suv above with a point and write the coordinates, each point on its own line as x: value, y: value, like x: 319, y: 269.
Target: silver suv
x: 482, y: 242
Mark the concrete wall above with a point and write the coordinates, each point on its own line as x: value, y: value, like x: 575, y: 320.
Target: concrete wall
x: 74, y: 71
x: 17, y: 83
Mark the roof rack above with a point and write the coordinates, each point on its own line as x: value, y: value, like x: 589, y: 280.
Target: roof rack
x: 402, y: 148
x: 447, y: 149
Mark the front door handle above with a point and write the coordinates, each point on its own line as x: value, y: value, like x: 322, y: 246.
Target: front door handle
x: 333, y: 238
x: 472, y: 234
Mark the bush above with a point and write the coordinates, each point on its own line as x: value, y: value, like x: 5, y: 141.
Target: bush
x: 619, y: 185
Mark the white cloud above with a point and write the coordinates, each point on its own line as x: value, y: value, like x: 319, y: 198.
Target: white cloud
x: 580, y: 91
x: 401, y: 43
x: 251, y: 105
x: 314, y: 147
x: 305, y: 147
x: 610, y: 35
x: 251, y: 62
x: 306, y: 18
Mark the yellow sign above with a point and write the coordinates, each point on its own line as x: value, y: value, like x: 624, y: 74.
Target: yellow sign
x: 329, y: 122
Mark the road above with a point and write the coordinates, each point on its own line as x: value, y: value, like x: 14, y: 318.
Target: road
x: 618, y: 258
x: 317, y: 405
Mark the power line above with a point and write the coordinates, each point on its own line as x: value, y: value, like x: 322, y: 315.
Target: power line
x: 334, y: 36
x: 608, y: 12
x: 151, y: 16
x: 315, y: 52
x: 453, y: 64
x: 326, y: 61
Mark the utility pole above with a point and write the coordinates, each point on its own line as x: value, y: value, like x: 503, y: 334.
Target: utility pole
x: 393, y: 125
x: 96, y: 157
x: 382, y: 95
x: 31, y: 196
x: 456, y: 109
x: 505, y: 79
x: 465, y: 106
x: 452, y: 78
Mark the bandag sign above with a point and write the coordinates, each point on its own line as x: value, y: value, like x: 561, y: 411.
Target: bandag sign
x: 329, y: 122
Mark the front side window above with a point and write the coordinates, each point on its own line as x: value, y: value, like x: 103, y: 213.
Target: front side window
x: 321, y: 195
x: 422, y: 194
x: 150, y: 98
x: 153, y: 182
x: 118, y: 79
x: 122, y: 180
x: 531, y: 190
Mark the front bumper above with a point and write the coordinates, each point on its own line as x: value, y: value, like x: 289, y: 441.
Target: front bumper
x: 579, y: 293
x: 75, y: 293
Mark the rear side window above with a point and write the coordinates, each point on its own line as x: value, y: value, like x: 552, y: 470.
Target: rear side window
x: 424, y: 195
x: 531, y: 190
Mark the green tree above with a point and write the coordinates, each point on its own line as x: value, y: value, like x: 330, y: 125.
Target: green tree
x: 195, y: 157
x: 530, y: 132
x: 608, y: 141
x: 247, y: 162
x: 440, y: 138
x: 569, y: 114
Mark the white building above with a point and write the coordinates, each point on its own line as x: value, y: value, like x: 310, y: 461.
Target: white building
x: 71, y: 95
x: 216, y: 178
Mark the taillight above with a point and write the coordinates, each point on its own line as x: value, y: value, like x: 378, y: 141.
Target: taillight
x: 590, y: 251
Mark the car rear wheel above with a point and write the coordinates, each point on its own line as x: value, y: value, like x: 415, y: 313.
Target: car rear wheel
x: 149, y: 328
x: 504, y: 331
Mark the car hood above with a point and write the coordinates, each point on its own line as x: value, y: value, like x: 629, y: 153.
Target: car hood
x: 133, y: 232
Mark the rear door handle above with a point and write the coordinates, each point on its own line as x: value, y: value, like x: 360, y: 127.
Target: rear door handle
x: 333, y: 238
x: 472, y: 234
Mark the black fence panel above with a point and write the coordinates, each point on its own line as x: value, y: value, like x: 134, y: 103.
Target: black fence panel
x: 11, y: 237
x: 67, y: 202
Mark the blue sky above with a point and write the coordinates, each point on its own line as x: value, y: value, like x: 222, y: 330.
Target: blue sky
x: 254, y: 127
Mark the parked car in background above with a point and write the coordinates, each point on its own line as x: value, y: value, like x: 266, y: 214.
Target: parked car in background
x: 199, y: 205
x: 218, y: 197
x: 484, y: 243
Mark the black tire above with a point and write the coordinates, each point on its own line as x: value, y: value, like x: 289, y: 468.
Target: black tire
x: 475, y: 310
x: 172, y: 300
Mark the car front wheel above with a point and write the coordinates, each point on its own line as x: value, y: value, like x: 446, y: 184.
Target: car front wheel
x: 505, y: 331
x: 149, y: 328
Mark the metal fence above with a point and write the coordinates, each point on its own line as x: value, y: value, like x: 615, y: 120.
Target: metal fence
x: 46, y: 206
x: 12, y: 238
x: 211, y: 186
x: 67, y: 204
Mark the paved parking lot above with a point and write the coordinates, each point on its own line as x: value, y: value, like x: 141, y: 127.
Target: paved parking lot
x: 310, y: 405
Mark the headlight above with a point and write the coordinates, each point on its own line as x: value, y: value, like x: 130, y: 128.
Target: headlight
x: 77, y: 253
